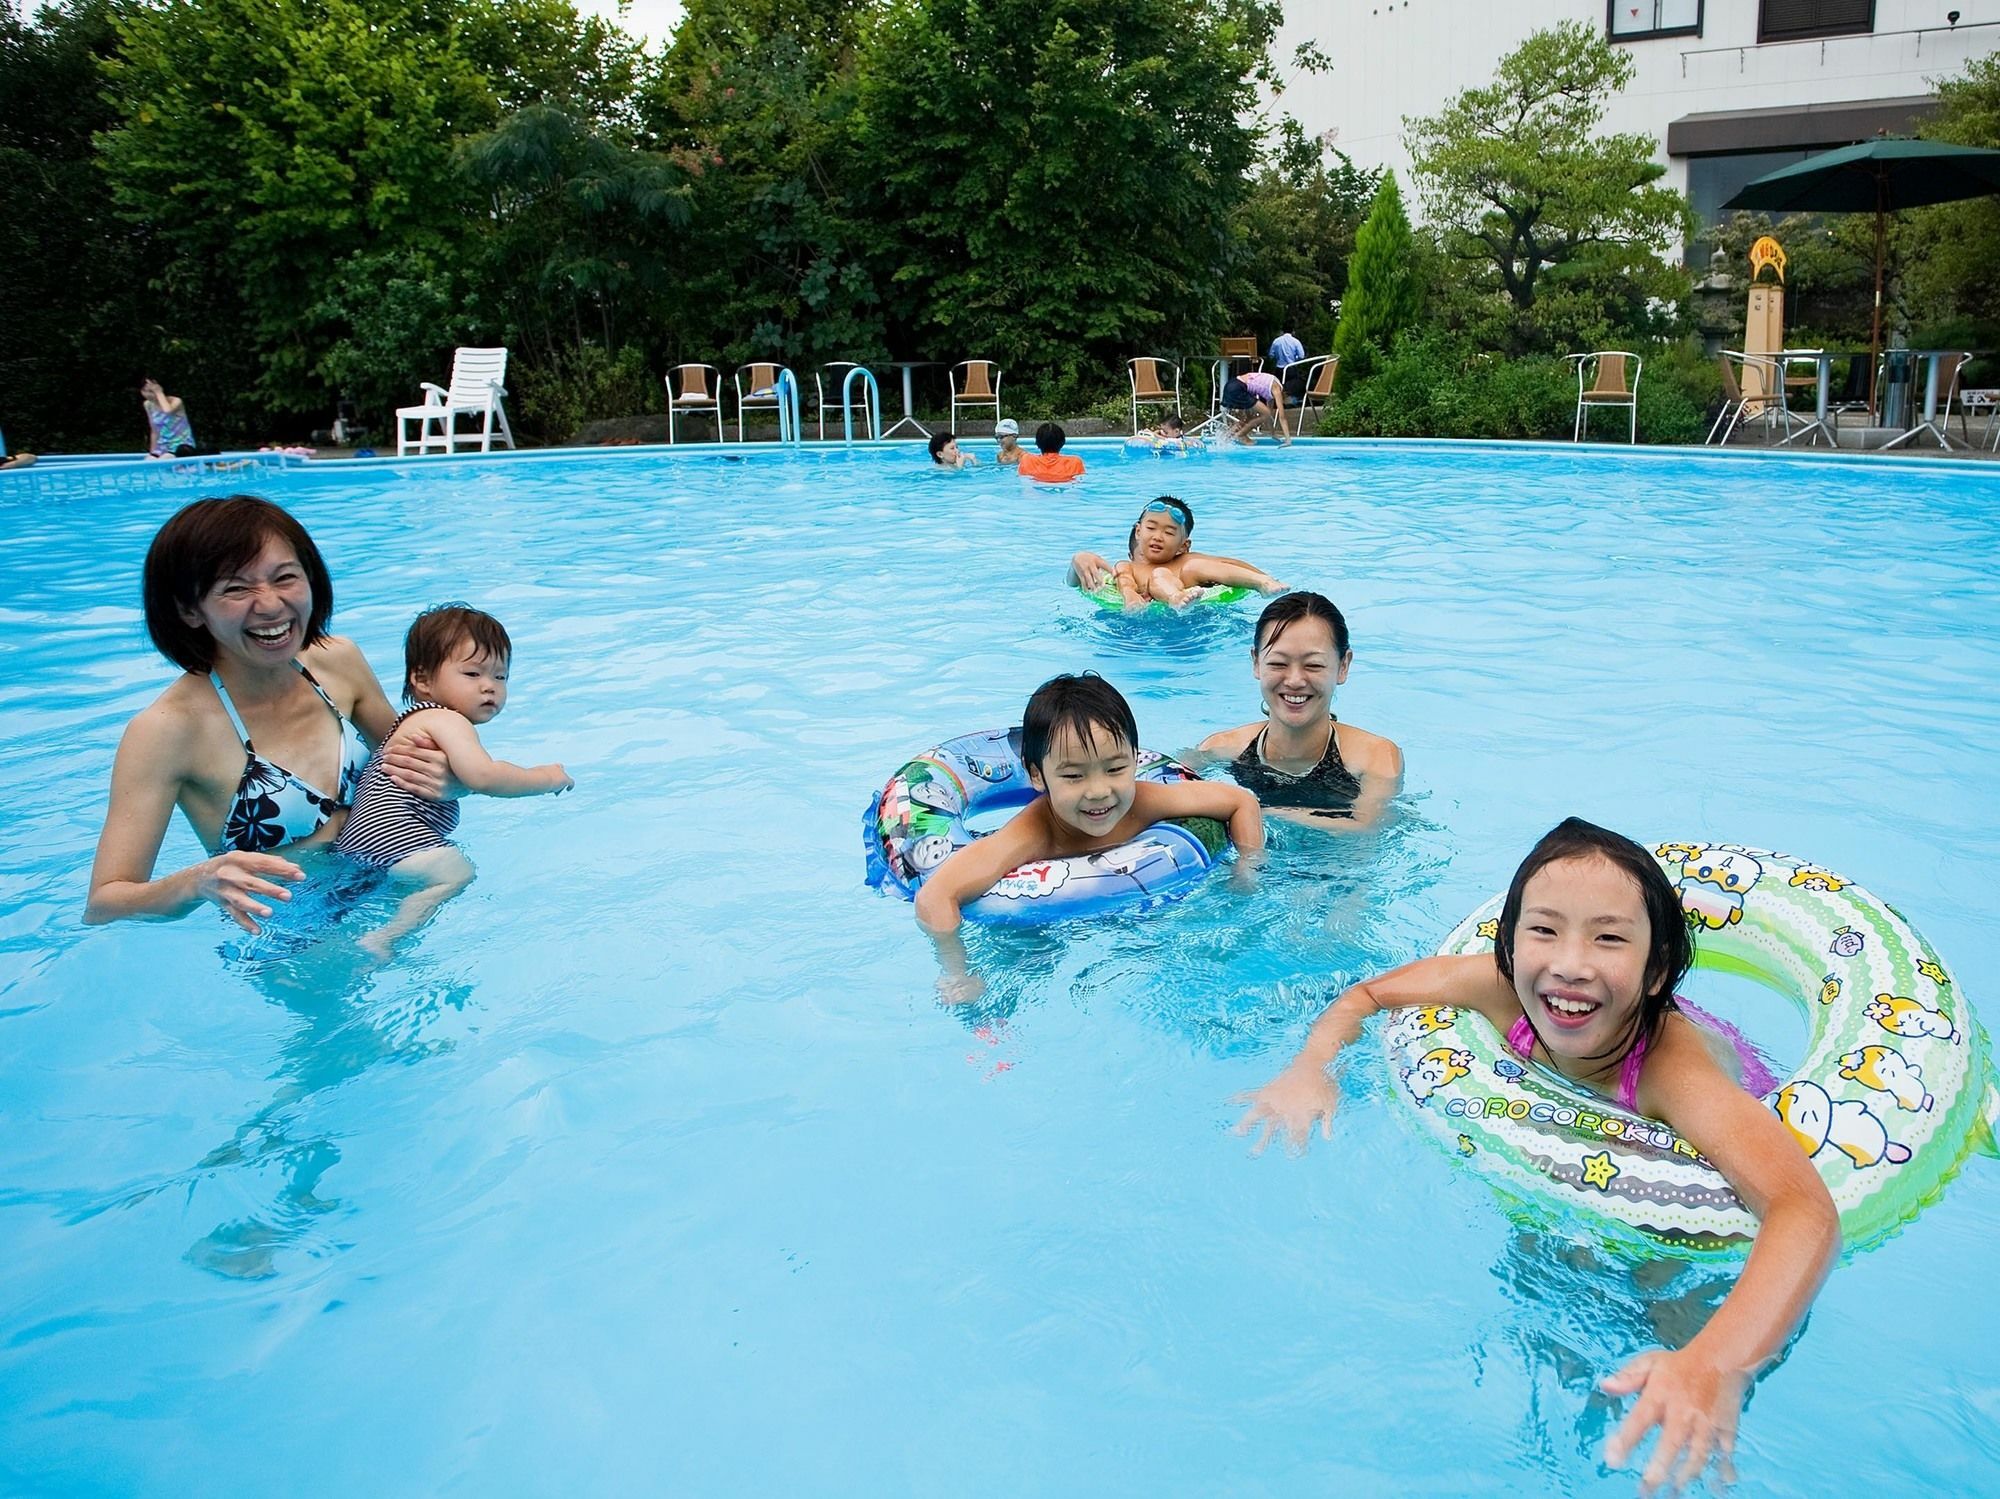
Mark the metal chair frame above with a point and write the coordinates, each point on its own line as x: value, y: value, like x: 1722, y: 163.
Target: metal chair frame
x: 705, y: 396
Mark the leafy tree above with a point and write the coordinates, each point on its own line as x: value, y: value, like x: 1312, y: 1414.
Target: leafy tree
x: 1292, y: 235
x: 580, y: 226
x: 73, y: 316
x: 1382, y: 289
x: 1522, y: 186
x: 756, y: 99
x: 1953, y: 251
x: 263, y: 142
x: 1053, y: 180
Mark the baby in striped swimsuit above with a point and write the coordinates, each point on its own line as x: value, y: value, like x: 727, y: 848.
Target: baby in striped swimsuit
x: 455, y: 662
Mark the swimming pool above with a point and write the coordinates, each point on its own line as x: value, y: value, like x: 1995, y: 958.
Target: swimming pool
x: 653, y: 1164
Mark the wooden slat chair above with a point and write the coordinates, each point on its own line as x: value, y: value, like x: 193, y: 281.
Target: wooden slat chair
x: 1609, y: 388
x: 478, y: 388
x: 975, y: 382
x: 1155, y: 382
x: 757, y: 389
x: 700, y: 390
x: 1320, y: 373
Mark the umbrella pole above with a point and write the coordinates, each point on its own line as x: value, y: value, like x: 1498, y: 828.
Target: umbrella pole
x: 1875, y: 323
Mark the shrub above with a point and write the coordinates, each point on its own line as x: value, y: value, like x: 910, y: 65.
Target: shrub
x: 1382, y: 292
x: 552, y: 398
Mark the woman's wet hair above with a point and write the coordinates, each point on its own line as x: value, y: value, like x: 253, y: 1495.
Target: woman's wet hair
x: 1083, y: 704
x: 1670, y: 946
x: 206, y: 542
x: 1288, y: 609
x: 437, y: 636
x: 938, y: 441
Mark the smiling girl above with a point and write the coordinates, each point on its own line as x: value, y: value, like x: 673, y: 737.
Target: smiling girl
x: 262, y: 740
x: 1590, y: 948
x: 1302, y: 761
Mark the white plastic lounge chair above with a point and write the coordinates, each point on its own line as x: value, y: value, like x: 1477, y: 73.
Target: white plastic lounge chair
x: 700, y: 390
x: 478, y: 388
x: 975, y: 382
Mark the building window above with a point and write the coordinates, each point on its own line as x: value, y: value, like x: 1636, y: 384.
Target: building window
x: 1638, y: 20
x: 1799, y: 20
x: 1714, y: 180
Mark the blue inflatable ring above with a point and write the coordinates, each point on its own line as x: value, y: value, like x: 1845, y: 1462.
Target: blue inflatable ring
x: 915, y: 822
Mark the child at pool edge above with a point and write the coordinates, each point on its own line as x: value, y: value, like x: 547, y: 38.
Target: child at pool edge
x: 1592, y: 944
x: 1079, y: 744
x: 455, y: 668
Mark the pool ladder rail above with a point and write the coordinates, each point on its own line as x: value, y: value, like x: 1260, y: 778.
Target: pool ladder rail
x: 873, y: 409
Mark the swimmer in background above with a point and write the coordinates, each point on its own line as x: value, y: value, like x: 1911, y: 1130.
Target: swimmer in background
x: 1160, y: 565
x: 1591, y: 946
x: 1008, y: 434
x: 1171, y: 431
x: 1301, y: 762
x: 945, y: 453
x: 1049, y: 464
x: 1079, y: 744
x: 455, y: 667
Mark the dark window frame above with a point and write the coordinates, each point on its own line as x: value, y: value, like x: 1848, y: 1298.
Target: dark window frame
x: 1619, y: 38
x: 1815, y: 33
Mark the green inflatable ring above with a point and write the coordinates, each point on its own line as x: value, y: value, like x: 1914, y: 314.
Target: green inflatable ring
x: 1107, y: 596
x: 1893, y: 1093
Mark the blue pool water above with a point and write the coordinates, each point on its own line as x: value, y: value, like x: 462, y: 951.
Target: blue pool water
x: 653, y: 1165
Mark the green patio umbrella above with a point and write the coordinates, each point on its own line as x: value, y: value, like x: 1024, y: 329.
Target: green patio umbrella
x: 1879, y: 177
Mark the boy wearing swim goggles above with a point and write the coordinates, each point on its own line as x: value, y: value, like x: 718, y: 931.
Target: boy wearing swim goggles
x: 1160, y: 566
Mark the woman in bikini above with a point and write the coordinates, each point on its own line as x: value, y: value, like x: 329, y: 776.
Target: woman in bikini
x: 1302, y: 762
x: 262, y: 740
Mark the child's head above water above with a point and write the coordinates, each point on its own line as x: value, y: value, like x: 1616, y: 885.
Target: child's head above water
x: 940, y: 443
x: 1085, y: 711
x: 1592, y: 938
x: 459, y: 656
x: 1049, y: 438
x: 1172, y: 518
x: 1171, y: 426
x: 1080, y: 743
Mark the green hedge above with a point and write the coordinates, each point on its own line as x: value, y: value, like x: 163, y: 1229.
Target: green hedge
x: 1435, y: 385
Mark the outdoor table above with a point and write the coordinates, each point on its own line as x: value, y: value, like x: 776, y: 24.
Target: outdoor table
x: 909, y: 403
x: 1935, y: 358
x: 1823, y: 359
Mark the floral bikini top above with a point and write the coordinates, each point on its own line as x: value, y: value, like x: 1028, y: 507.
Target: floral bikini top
x: 274, y: 807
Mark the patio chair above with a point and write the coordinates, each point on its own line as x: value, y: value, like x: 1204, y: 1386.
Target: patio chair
x: 1320, y: 372
x: 1609, y: 388
x: 975, y: 382
x: 1756, y: 383
x: 1241, y: 347
x: 1155, y: 382
x: 478, y: 388
x: 700, y: 390
x: 762, y: 392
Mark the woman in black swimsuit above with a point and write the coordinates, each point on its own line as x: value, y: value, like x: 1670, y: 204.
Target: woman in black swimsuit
x: 1302, y: 760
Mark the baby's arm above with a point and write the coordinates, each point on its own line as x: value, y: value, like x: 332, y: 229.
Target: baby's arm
x: 1303, y: 1094
x: 476, y: 769
x: 1695, y: 1394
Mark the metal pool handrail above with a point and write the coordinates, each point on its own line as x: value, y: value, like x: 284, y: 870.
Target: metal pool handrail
x: 860, y: 372
x: 787, y: 390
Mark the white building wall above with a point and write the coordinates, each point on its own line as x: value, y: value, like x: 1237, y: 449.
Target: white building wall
x: 1397, y: 58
